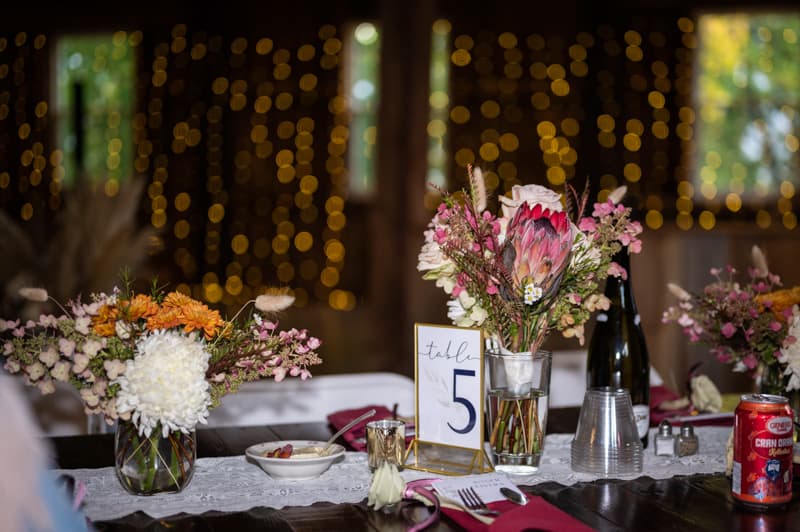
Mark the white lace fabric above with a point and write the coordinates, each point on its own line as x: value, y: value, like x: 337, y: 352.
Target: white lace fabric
x: 232, y: 484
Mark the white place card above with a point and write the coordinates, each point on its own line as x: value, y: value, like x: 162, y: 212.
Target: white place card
x: 487, y: 486
x: 449, y: 385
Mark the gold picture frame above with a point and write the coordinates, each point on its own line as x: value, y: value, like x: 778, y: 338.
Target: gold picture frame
x: 440, y: 446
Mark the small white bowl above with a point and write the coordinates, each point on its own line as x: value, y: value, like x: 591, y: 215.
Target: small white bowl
x: 294, y: 468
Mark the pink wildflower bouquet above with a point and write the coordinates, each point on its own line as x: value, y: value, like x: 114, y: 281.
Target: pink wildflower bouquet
x: 534, y: 268
x: 753, y: 325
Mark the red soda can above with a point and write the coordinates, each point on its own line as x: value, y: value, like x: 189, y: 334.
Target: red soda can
x: 763, y: 434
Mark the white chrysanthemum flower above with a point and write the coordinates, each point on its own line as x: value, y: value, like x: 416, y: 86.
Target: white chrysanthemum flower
x: 165, y: 383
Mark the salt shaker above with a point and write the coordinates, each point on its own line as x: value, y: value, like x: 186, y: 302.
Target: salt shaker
x: 665, y: 440
x: 687, y: 442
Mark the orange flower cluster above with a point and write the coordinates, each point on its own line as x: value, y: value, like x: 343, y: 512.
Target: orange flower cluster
x: 177, y: 310
x: 781, y: 300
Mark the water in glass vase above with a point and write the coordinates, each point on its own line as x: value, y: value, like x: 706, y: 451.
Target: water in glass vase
x: 146, y: 465
x: 517, y: 422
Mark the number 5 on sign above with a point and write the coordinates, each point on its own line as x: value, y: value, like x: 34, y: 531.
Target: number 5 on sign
x: 449, y: 385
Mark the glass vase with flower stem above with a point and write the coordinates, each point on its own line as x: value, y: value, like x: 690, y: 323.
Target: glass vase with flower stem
x: 146, y: 465
x: 517, y: 403
x: 773, y: 382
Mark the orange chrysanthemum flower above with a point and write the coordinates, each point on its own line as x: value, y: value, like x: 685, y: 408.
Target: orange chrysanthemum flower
x: 105, y: 322
x: 781, y: 300
x: 140, y: 307
x: 178, y: 300
x: 200, y: 317
x: 165, y: 318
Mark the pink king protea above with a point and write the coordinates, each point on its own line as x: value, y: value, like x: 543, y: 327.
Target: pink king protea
x: 537, y: 250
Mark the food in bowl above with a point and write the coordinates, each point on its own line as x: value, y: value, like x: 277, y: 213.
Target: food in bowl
x: 306, y: 459
x: 289, y: 451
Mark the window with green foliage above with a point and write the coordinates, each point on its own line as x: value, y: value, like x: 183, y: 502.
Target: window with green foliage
x: 94, y: 105
x: 363, y: 94
x: 748, y: 105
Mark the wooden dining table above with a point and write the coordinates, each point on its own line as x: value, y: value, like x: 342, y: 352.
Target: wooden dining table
x: 681, y: 503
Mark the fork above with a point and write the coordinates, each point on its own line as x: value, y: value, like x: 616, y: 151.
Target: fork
x: 474, y: 503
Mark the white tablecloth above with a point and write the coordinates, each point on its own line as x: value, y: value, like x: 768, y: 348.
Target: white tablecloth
x: 234, y: 484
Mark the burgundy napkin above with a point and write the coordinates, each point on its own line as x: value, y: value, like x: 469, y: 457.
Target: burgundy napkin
x: 537, y: 514
x: 658, y: 394
x: 356, y: 436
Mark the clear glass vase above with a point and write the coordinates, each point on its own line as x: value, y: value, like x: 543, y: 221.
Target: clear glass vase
x: 518, y: 395
x: 146, y: 465
x: 773, y: 382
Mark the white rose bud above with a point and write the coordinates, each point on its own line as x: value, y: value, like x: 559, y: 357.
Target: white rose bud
x: 387, y: 486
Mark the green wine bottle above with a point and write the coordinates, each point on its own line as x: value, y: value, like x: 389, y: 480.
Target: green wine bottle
x: 617, y: 351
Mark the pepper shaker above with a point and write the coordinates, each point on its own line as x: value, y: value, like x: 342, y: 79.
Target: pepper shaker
x: 687, y: 442
x: 665, y: 440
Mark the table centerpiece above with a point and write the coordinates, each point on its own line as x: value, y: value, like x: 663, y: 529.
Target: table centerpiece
x: 533, y: 268
x: 154, y: 364
x: 753, y: 324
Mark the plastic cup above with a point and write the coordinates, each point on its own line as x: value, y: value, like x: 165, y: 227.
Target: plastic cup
x: 606, y: 441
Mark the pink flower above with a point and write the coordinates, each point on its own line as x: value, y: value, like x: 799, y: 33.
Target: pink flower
x: 60, y: 371
x: 616, y: 270
x: 81, y: 362
x: 750, y: 361
x: 89, y: 397
x: 492, y: 290
x: 728, y: 330
x: 48, y: 320
x: 603, y: 209
x: 722, y: 353
x: 775, y: 326
x: 279, y: 374
x: 82, y: 324
x: 46, y: 386
x: 35, y: 371
x: 91, y: 347
x: 49, y: 357
x: 538, y: 247
x: 114, y: 368
x: 67, y: 347
x: 587, y: 224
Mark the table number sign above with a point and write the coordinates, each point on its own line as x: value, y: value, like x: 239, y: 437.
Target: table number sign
x: 449, y: 401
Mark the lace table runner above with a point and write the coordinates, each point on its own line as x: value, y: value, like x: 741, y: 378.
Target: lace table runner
x: 233, y: 484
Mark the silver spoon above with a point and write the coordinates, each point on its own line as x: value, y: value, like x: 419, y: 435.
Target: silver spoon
x: 344, y: 429
x: 512, y: 495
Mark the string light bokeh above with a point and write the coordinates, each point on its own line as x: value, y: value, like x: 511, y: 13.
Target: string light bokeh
x: 246, y: 142
x: 243, y: 143
x: 617, y: 105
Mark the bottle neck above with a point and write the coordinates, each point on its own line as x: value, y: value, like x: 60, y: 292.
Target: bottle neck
x: 618, y: 290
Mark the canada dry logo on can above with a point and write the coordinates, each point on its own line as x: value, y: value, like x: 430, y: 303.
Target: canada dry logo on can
x: 762, y: 451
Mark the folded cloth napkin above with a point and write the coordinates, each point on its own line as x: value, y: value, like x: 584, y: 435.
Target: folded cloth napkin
x: 658, y: 394
x: 356, y: 436
x: 537, y: 514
